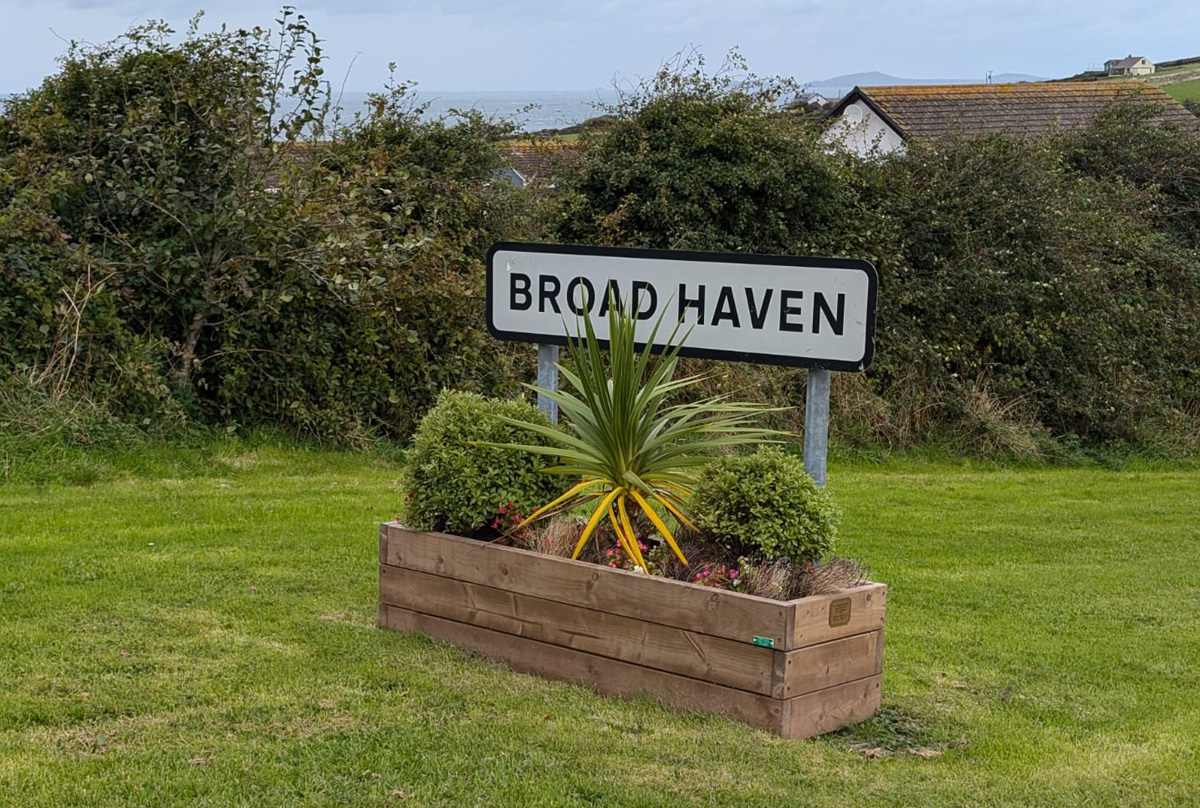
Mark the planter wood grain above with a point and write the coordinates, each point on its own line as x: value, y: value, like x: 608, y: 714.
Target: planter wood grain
x: 796, y: 668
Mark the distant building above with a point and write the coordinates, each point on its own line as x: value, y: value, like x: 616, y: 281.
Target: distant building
x: 1129, y: 66
x: 809, y: 98
x: 535, y: 162
x: 878, y: 120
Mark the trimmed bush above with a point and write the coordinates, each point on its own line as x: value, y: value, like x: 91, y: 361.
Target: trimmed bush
x: 457, y: 484
x: 765, y: 504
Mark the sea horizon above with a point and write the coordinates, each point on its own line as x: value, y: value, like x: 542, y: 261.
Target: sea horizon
x: 528, y: 110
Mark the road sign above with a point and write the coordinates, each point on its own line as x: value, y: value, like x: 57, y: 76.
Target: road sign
x: 780, y: 310
x: 817, y: 313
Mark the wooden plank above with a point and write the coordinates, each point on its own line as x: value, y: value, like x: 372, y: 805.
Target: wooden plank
x: 736, y: 664
x: 608, y: 676
x: 682, y: 605
x: 831, y: 708
x: 822, y: 618
x: 830, y: 663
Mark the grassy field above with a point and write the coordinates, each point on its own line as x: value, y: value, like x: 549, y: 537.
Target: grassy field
x: 1184, y: 90
x: 201, y: 633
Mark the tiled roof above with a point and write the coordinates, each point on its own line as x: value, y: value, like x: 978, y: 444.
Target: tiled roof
x: 538, y: 160
x: 1028, y: 109
x: 1128, y: 61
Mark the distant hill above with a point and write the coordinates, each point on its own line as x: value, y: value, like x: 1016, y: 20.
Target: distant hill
x: 843, y: 84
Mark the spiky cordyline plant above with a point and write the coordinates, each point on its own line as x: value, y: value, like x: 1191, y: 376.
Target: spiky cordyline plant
x: 626, y: 443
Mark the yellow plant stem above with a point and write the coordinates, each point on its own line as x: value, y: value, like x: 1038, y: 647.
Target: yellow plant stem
x: 659, y: 525
x: 574, y: 491
x: 681, y: 492
x: 595, y: 520
x: 633, y: 545
x: 630, y: 549
x: 665, y: 499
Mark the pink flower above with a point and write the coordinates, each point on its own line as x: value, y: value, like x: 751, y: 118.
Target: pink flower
x: 733, y: 573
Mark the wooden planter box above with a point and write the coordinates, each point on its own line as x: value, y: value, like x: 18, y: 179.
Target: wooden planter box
x: 796, y: 668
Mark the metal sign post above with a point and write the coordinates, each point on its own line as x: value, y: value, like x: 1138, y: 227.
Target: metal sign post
x: 816, y: 424
x: 548, y: 379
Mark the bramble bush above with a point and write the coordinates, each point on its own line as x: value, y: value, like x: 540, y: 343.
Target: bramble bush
x: 701, y: 162
x: 179, y: 244
x: 1032, y: 292
x: 1017, y: 275
x: 183, y: 230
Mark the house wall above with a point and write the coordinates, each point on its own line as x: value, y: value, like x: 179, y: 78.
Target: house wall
x: 1142, y: 68
x: 512, y: 175
x: 870, y: 135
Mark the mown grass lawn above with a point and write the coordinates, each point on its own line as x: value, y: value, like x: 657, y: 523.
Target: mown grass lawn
x: 210, y: 641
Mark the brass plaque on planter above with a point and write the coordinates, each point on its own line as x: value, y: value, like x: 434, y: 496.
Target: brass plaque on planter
x: 839, y: 612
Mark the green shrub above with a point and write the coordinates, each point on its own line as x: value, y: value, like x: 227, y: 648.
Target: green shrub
x: 455, y: 483
x: 702, y: 162
x: 1051, y: 281
x: 765, y: 504
x: 142, y: 262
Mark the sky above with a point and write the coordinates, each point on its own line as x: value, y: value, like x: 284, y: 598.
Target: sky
x: 505, y: 45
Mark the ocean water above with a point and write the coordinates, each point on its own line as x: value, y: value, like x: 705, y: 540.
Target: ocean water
x: 530, y: 110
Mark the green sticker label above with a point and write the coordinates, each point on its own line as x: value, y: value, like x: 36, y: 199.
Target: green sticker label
x: 765, y: 642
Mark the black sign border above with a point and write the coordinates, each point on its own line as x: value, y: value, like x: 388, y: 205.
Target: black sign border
x: 694, y: 256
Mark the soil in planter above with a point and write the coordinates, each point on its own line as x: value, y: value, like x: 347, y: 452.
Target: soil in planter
x: 708, y: 565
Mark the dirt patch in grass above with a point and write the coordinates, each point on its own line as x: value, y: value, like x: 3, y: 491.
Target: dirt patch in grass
x: 895, y: 732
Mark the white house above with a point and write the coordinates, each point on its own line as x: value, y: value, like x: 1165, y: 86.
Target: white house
x: 861, y: 126
x: 1129, y: 66
x: 810, y: 99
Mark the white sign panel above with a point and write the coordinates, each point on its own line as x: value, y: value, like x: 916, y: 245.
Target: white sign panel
x: 804, y: 312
